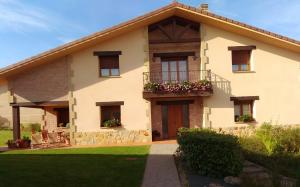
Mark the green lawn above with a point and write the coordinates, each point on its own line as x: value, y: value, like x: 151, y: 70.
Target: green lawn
x: 8, y: 134
x: 107, y: 166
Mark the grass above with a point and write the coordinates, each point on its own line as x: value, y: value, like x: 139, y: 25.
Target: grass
x: 8, y: 134
x: 108, y: 166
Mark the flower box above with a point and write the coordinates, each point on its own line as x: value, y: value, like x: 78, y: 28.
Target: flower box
x: 179, y: 88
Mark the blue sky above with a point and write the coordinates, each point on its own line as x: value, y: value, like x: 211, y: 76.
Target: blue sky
x: 28, y: 27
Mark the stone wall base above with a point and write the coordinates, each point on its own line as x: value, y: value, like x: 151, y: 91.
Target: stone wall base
x: 112, y: 137
x: 246, y: 131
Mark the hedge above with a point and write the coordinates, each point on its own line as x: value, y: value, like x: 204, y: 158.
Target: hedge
x: 209, y: 153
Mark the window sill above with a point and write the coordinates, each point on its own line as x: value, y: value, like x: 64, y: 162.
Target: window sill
x: 248, y: 123
x: 117, y: 76
x: 243, y: 72
x: 111, y: 127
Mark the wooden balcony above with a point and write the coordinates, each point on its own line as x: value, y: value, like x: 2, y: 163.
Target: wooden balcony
x: 177, y: 84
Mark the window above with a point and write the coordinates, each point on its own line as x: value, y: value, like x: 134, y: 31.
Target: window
x: 241, y: 60
x: 243, y: 109
x: 110, y: 116
x: 109, y: 66
x: 241, y: 56
x: 174, y: 69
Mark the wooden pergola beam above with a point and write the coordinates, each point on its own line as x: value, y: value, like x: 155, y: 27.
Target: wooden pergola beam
x: 16, y: 122
x: 41, y: 104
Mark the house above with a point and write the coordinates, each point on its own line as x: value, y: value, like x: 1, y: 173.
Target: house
x: 177, y: 66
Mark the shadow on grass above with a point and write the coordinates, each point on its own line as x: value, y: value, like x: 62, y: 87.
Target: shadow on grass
x: 72, y: 169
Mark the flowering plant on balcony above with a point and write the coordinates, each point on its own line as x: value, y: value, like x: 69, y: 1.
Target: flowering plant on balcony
x: 183, y: 87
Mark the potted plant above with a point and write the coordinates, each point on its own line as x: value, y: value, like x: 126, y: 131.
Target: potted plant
x: 246, y: 118
x: 112, y: 123
x: 11, y: 144
x: 155, y: 135
x: 25, y: 142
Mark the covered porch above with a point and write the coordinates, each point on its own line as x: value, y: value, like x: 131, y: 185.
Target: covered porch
x: 54, y: 126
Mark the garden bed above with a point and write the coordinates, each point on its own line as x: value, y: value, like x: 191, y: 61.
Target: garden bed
x: 273, y: 151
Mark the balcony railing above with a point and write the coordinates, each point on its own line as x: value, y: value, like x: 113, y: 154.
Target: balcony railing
x: 178, y: 82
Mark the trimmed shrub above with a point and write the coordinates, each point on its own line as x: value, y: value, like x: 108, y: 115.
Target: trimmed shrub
x: 210, y: 153
x: 278, y: 139
x: 31, y: 126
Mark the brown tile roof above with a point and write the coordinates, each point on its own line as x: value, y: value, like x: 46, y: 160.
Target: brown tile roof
x: 238, y: 23
x: 69, y: 46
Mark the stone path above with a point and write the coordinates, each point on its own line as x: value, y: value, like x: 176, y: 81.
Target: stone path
x: 160, y: 168
x: 263, y: 177
x: 201, y: 181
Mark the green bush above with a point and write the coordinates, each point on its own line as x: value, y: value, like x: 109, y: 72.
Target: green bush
x: 4, y: 124
x: 253, y: 144
x: 210, y: 153
x: 31, y: 126
x: 278, y: 139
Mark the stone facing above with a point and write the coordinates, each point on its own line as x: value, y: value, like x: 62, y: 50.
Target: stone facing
x: 121, y: 136
x: 246, y: 131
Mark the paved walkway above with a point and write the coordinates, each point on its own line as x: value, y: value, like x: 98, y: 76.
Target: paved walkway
x: 160, y: 169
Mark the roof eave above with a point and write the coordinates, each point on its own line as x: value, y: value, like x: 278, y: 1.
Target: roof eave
x: 89, y: 41
x: 238, y: 29
x: 152, y: 17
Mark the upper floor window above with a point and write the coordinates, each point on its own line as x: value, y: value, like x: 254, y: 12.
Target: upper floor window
x: 109, y: 66
x: 174, y: 69
x: 241, y: 58
x: 108, y: 63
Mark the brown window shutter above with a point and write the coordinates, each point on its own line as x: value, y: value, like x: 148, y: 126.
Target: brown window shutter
x: 109, y: 62
x: 241, y: 57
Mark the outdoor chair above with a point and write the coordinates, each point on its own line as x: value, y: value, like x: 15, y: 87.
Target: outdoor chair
x: 45, y: 138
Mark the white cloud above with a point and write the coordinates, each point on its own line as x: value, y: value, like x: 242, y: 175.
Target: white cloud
x: 64, y: 39
x: 19, y: 17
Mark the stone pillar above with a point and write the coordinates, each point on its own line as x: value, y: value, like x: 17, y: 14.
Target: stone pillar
x: 72, y: 100
x: 203, y: 51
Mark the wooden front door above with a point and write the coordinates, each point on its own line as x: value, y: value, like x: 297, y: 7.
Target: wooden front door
x: 175, y: 120
x: 174, y: 116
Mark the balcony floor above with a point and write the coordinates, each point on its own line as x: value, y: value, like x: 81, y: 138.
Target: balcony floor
x: 150, y: 95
